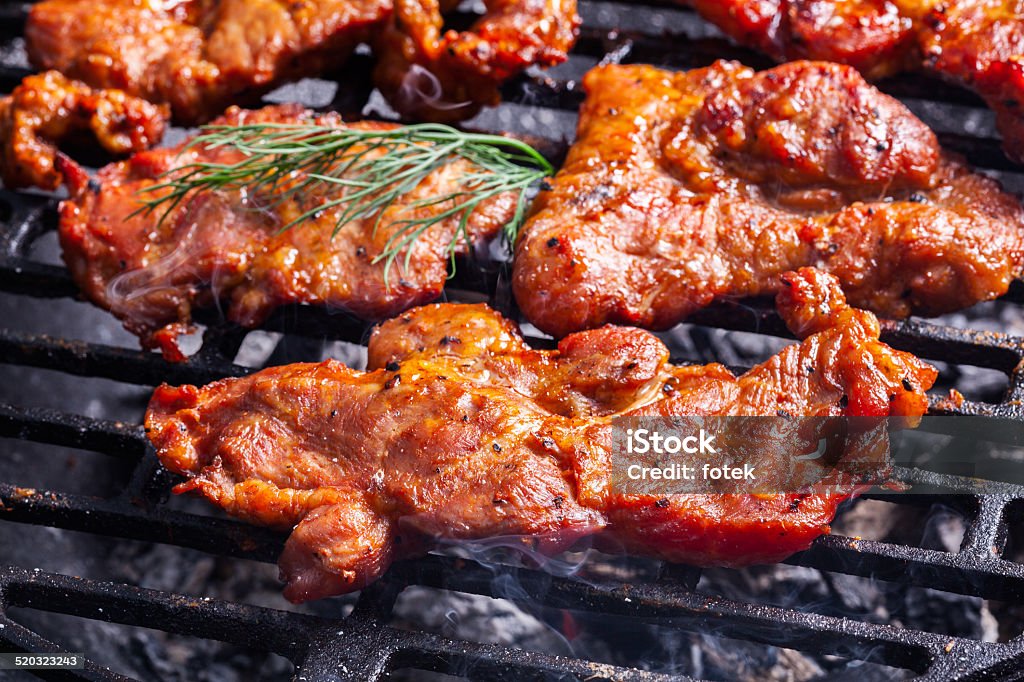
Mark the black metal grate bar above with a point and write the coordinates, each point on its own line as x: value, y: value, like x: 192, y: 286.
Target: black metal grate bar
x: 355, y: 649
x: 58, y: 428
x: 362, y: 646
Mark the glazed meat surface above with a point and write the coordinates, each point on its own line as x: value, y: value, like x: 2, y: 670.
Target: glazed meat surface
x: 877, y: 37
x: 980, y: 44
x: 197, y: 56
x: 47, y: 109
x: 684, y: 188
x: 227, y: 248
x: 976, y: 43
x: 201, y: 56
x: 459, y: 432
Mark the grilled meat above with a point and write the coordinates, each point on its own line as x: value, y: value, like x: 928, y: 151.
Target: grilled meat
x: 47, y: 108
x: 197, y: 56
x: 202, y: 56
x: 876, y: 36
x: 980, y: 44
x: 227, y: 247
x: 448, y: 75
x: 460, y: 432
x: 976, y: 43
x: 684, y: 188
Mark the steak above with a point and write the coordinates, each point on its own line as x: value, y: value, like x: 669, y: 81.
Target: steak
x: 227, y: 248
x: 978, y: 44
x: 197, y: 56
x: 460, y: 432
x: 686, y: 188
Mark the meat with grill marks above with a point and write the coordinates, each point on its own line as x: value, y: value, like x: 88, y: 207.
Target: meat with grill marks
x: 460, y: 432
x: 226, y: 248
x: 686, y: 188
x: 975, y: 43
x: 47, y: 109
x: 201, y: 56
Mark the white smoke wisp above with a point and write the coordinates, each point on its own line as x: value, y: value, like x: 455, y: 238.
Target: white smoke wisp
x: 211, y: 225
x: 159, y: 275
x: 500, y: 553
x: 421, y: 88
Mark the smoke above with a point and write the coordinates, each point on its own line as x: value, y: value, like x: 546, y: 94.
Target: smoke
x: 158, y: 276
x: 422, y: 89
x: 212, y: 241
x: 498, y: 554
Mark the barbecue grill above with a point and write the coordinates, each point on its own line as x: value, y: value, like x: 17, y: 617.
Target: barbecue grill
x: 363, y: 645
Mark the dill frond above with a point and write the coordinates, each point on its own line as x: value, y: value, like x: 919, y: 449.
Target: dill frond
x: 368, y: 169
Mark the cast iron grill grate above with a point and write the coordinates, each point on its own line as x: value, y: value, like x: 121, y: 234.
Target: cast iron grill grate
x: 362, y: 646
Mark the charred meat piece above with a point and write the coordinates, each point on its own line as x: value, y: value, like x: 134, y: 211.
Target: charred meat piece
x: 459, y: 432
x: 427, y: 72
x: 199, y: 57
x: 47, y: 109
x: 227, y: 247
x: 202, y: 56
x: 684, y: 188
x: 976, y: 43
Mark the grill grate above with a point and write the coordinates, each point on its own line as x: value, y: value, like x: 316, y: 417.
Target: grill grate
x: 362, y: 646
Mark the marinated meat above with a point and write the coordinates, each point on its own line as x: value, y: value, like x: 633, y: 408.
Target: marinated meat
x: 227, y: 247
x: 875, y: 36
x: 976, y: 43
x: 447, y: 75
x: 980, y: 44
x: 199, y: 57
x: 684, y: 188
x: 459, y: 432
x: 47, y: 108
x: 202, y: 56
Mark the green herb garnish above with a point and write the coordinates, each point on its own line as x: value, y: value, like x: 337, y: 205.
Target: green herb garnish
x: 372, y: 169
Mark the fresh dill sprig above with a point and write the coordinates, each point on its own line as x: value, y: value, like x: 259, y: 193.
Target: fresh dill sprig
x: 368, y: 169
